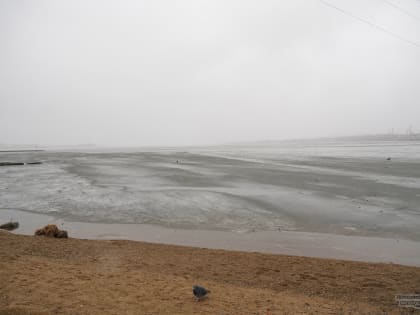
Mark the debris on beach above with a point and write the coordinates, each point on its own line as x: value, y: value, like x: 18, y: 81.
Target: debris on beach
x: 11, y: 163
x: 19, y: 163
x: 10, y: 226
x: 200, y: 292
x: 51, y: 230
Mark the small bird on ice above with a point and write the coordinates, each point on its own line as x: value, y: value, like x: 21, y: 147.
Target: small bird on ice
x: 200, y: 292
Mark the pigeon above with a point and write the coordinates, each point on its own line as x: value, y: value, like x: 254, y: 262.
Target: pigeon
x: 200, y: 292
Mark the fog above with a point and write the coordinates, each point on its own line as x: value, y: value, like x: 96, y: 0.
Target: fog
x: 134, y: 73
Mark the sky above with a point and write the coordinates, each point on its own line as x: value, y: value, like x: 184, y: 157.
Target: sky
x: 195, y: 72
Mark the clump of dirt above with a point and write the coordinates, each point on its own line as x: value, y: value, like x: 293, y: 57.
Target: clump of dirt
x: 51, y: 230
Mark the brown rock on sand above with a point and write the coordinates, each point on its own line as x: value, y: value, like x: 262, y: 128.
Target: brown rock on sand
x: 51, y: 230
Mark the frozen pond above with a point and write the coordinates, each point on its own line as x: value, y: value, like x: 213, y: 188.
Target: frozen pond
x: 339, y: 188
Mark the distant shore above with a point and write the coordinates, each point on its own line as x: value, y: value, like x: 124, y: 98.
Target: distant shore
x: 17, y: 151
x: 72, y: 276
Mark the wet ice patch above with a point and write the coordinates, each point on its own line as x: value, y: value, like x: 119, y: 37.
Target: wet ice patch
x: 52, y: 190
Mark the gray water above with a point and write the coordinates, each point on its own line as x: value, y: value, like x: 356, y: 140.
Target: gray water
x: 341, y: 188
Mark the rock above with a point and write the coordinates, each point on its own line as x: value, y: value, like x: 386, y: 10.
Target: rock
x: 10, y: 226
x: 62, y: 234
x: 388, y: 159
x: 51, y: 230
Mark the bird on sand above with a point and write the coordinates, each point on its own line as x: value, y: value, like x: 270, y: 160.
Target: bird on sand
x: 200, y: 292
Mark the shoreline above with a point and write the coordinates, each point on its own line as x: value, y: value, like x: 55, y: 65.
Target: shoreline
x: 305, y: 244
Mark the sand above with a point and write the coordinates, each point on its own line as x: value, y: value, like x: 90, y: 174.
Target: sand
x: 72, y: 276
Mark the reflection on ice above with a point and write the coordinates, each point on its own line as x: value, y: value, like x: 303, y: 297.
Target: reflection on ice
x: 229, y: 188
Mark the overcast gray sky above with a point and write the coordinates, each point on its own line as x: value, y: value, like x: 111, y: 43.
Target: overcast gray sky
x: 157, y: 72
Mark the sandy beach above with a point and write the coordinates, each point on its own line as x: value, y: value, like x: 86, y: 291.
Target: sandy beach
x: 72, y: 276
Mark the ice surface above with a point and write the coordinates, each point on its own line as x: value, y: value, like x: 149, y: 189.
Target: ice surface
x: 330, y: 188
